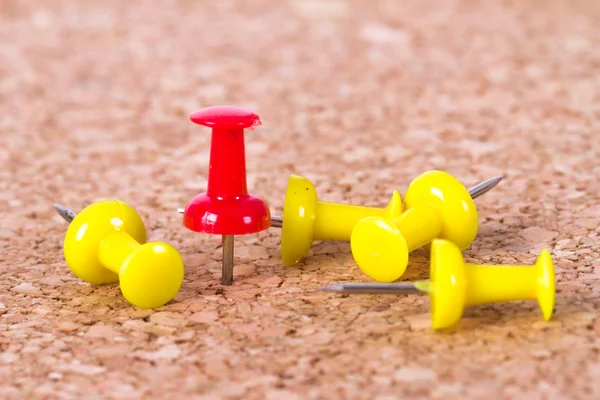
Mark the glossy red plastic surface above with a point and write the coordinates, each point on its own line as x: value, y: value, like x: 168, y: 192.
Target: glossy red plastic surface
x: 225, y: 117
x: 226, y: 208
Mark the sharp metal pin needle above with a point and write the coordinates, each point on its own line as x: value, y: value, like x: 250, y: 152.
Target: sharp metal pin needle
x: 64, y: 212
x: 484, y: 187
x: 375, y: 288
x: 227, y: 267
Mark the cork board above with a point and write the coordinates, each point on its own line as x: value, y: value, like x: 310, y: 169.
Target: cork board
x: 360, y: 97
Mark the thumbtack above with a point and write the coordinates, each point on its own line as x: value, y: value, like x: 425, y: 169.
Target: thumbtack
x: 308, y: 219
x: 455, y: 285
x: 437, y: 206
x: 226, y: 208
x: 106, y: 243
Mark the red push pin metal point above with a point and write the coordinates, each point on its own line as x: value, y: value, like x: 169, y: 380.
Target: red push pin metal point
x: 226, y: 208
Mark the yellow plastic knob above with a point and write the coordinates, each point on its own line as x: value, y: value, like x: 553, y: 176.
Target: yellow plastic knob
x: 306, y: 219
x: 437, y: 205
x: 105, y: 243
x: 455, y: 285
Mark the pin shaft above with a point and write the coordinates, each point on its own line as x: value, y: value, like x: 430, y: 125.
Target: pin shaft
x: 372, y: 288
x: 276, y: 221
x: 227, y: 267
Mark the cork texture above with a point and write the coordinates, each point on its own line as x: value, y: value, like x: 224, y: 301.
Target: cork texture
x: 360, y: 97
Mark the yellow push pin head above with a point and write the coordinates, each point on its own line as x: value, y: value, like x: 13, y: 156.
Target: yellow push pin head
x: 546, y: 284
x: 455, y: 285
x: 452, y: 201
x: 152, y: 275
x: 105, y: 243
x: 299, y: 214
x: 447, y: 286
x: 89, y: 228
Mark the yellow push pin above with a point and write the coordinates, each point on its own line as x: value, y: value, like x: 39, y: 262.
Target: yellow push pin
x: 455, y: 285
x: 106, y: 243
x: 306, y: 219
x: 437, y: 205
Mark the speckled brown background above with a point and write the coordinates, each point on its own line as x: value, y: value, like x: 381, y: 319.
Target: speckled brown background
x: 358, y: 96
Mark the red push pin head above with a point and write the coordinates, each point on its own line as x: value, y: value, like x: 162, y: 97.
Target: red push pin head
x: 226, y: 208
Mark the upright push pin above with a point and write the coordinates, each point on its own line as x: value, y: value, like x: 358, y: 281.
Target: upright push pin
x: 226, y: 208
x: 455, y: 285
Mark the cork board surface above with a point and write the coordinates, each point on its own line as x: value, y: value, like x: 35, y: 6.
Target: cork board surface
x: 360, y: 97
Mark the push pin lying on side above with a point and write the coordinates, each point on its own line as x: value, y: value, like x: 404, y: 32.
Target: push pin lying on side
x: 455, y: 285
x: 306, y: 219
x: 106, y: 243
x: 226, y: 208
x: 438, y: 206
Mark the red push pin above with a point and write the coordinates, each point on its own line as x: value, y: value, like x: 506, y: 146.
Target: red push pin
x: 226, y: 208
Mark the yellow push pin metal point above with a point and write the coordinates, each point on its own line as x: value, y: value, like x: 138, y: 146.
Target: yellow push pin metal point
x: 106, y: 243
x: 437, y: 205
x: 455, y: 285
